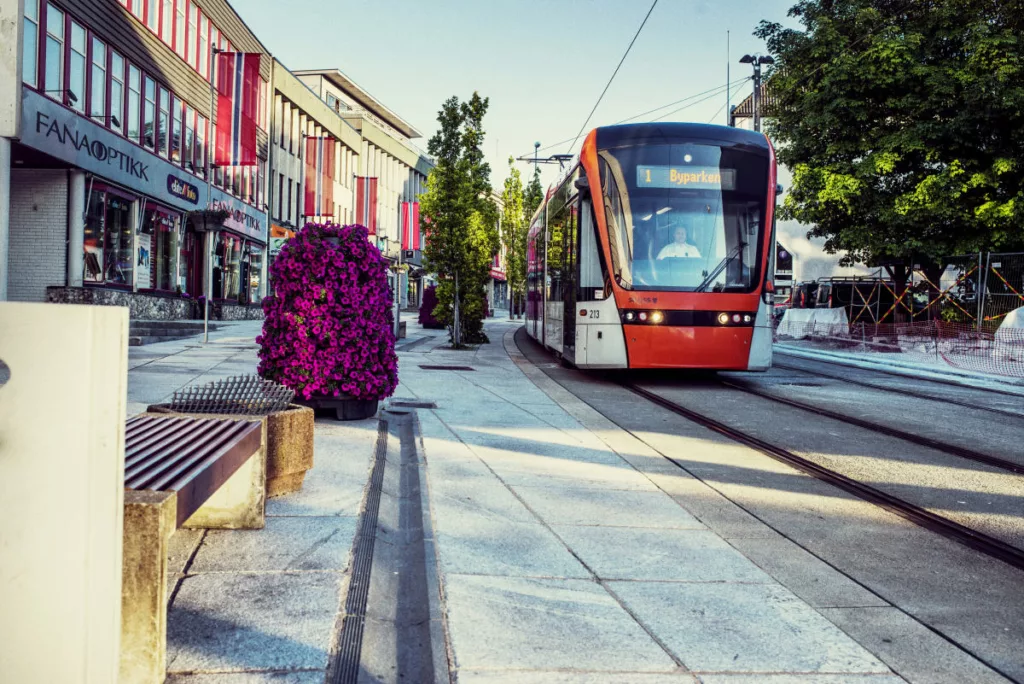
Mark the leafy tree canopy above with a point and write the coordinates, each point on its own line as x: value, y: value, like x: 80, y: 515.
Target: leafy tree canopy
x: 513, y: 229
x: 903, y: 123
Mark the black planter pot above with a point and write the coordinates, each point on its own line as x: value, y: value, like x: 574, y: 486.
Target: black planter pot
x: 342, y: 408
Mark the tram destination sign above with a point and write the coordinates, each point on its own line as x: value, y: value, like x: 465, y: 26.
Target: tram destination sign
x: 686, y: 177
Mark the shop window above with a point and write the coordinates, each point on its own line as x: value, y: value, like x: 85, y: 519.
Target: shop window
x: 30, y: 51
x: 177, y: 132
x: 149, y: 115
x: 108, y: 239
x: 163, y: 124
x: 255, y: 273
x: 98, y: 83
x: 76, y: 93
x: 163, y: 228
x: 134, y: 103
x: 179, y: 28
x: 54, y: 80
x: 227, y: 267
x: 116, y: 92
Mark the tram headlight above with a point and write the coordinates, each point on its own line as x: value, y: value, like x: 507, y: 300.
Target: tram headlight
x: 736, y: 318
x: 746, y: 318
x: 723, y: 318
x: 643, y: 315
x: 657, y: 317
x: 629, y: 316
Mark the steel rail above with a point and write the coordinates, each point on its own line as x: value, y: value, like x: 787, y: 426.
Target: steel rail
x: 952, y: 449
x: 1009, y: 554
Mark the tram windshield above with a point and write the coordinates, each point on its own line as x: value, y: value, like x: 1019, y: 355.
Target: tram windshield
x: 684, y: 217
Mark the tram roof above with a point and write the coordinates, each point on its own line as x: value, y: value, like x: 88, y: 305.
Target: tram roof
x: 623, y: 134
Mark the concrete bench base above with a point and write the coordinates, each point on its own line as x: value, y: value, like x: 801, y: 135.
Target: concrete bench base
x: 149, y: 522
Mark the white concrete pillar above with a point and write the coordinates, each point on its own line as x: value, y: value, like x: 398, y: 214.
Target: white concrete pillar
x: 5, y: 213
x: 76, y: 227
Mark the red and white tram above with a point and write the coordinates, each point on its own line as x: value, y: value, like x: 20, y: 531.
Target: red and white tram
x: 655, y: 250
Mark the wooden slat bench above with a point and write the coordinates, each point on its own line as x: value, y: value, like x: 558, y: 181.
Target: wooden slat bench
x: 179, y: 472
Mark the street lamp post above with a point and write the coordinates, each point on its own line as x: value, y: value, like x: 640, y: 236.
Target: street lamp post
x: 757, y: 61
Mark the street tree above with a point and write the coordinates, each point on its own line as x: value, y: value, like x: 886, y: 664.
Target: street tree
x: 459, y: 219
x: 513, y: 234
x: 903, y: 124
x: 534, y: 194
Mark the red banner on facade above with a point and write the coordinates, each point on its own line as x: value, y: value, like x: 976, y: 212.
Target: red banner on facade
x: 238, y: 93
x: 410, y: 225
x: 366, y: 203
x: 319, y: 192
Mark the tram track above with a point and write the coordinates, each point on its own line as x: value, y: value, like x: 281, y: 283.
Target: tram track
x: 900, y: 391
x: 950, y: 529
x: 920, y: 440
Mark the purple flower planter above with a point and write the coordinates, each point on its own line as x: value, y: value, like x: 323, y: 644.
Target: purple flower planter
x: 328, y: 330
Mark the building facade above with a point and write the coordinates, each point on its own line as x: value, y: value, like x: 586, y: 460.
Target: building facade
x: 108, y: 157
x: 301, y: 120
x: 386, y: 153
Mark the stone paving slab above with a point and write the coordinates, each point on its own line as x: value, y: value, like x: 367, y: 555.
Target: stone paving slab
x: 753, y: 628
x: 799, y: 679
x: 300, y: 543
x: 544, y: 624
x: 548, y: 677
x: 633, y: 553
x: 223, y: 622
x: 592, y: 507
x: 478, y: 545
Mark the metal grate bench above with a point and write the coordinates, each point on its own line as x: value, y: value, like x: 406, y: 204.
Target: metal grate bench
x: 179, y: 472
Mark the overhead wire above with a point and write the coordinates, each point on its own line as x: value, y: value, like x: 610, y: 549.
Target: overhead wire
x: 711, y: 92
x: 608, y: 85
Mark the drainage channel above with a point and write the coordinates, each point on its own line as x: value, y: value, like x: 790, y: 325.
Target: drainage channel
x: 391, y: 626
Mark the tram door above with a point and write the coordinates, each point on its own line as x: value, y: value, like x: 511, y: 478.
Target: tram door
x: 569, y: 279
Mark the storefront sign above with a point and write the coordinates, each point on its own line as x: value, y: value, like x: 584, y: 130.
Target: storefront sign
x: 142, y: 262
x: 243, y: 219
x: 182, y: 189
x: 60, y: 133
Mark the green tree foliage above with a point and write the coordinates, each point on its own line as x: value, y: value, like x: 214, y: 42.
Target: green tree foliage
x: 513, y: 232
x: 534, y: 195
x: 460, y: 219
x: 903, y: 123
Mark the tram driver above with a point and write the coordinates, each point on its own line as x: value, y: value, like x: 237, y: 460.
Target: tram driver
x: 679, y: 247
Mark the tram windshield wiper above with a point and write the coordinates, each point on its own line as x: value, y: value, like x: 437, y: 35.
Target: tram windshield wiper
x: 720, y: 267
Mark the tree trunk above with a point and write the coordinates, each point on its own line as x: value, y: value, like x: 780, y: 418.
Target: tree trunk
x: 899, y: 274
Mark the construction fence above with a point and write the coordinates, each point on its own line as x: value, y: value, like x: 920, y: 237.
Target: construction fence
x: 965, y: 317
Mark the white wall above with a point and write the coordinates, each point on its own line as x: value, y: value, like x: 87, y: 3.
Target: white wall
x: 39, y: 232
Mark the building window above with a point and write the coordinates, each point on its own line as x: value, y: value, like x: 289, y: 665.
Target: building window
x: 137, y: 8
x: 76, y: 68
x: 193, y: 34
x: 200, y: 151
x: 108, y: 239
x: 98, y: 85
x: 278, y: 201
x: 289, y: 218
x: 179, y: 28
x: 117, y: 92
x: 149, y: 115
x: 54, y: 80
x: 177, y: 130
x: 255, y: 273
x: 227, y: 267
x: 204, y: 47
x: 134, y: 103
x: 30, y: 52
x: 188, y: 153
x: 163, y: 123
x: 153, y: 16
x: 167, y: 25
x: 214, y: 44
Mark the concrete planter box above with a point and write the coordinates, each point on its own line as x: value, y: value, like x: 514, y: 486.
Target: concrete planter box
x: 287, y: 443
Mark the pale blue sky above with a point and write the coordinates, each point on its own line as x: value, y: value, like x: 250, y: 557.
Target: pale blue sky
x: 542, y: 63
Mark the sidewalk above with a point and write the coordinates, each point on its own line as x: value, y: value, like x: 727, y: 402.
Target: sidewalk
x: 567, y: 554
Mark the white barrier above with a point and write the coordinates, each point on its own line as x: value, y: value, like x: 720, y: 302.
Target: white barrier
x: 800, y: 323
x: 62, y: 414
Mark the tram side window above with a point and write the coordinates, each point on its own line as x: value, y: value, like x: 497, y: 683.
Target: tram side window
x: 558, y: 218
x: 592, y: 276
